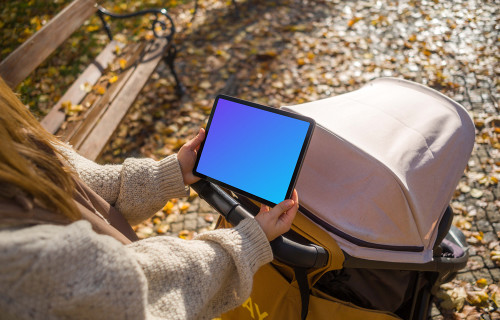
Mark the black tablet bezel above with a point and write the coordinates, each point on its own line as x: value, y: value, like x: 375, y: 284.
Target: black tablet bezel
x: 298, y: 164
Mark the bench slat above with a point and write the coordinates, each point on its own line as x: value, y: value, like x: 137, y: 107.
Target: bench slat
x: 55, y: 118
x: 99, y: 137
x: 77, y: 132
x: 27, y: 57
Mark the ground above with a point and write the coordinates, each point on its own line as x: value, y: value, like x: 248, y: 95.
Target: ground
x: 290, y: 51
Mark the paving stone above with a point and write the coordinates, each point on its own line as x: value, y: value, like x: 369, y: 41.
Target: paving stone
x: 190, y: 224
x: 488, y: 196
x: 496, y: 192
x: 176, y: 227
x: 205, y: 207
x: 483, y: 273
x: 466, y: 276
x: 202, y: 222
x: 490, y: 236
x: 484, y: 226
x: 480, y: 214
x: 190, y: 216
x: 475, y: 263
x: 173, y: 217
x: 496, y: 226
x: 493, y: 215
x: 495, y: 273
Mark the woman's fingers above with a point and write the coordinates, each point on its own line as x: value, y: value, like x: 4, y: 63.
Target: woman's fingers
x: 282, y: 207
x: 278, y: 220
x: 264, y: 208
x: 195, y: 143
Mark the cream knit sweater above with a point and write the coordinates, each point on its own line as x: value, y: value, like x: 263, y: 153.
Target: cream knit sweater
x: 71, y: 272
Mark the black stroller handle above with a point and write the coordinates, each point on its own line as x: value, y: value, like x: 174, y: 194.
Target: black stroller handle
x: 284, y: 249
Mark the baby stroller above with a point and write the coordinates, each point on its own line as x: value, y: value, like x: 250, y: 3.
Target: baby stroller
x: 373, y: 237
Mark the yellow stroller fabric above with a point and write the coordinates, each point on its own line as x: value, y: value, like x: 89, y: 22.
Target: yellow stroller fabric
x: 276, y: 294
x: 273, y: 297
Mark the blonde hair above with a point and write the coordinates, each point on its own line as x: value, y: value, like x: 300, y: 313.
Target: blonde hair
x: 28, y: 159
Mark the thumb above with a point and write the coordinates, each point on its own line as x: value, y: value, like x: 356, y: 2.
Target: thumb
x: 196, y: 141
x: 282, y: 207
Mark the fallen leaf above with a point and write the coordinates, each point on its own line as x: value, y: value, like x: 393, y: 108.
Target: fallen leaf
x: 99, y: 89
x: 482, y: 282
x: 205, y: 84
x: 477, y: 298
x: 87, y: 87
x: 476, y: 193
x: 162, y: 228
x: 71, y: 109
x: 186, y: 234
x: 351, y: 22
x: 184, y: 206
x: 113, y: 79
x: 168, y: 207
x: 123, y: 63
x: 92, y: 28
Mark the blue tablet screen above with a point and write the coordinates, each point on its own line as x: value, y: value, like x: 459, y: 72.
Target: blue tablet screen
x: 252, y: 149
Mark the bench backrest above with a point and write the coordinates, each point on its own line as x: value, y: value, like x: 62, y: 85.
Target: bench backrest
x: 19, y: 64
x: 101, y: 110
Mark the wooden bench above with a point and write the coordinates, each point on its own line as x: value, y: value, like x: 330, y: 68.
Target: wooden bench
x: 90, y: 130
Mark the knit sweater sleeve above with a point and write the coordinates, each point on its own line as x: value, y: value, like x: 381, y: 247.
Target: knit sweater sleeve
x: 128, y: 185
x: 68, y: 272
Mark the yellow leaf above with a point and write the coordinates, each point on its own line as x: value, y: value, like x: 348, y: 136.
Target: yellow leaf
x: 301, y: 61
x: 71, y: 109
x: 297, y: 28
x: 426, y: 52
x: 186, y: 234
x: 482, y: 282
x: 478, y: 236
x: 118, y: 50
x: 156, y: 220
x: 92, y: 28
x: 113, y: 79
x: 52, y: 71
x: 99, y: 89
x: 162, y: 229
x: 477, y: 297
x: 168, y: 207
x: 184, y: 206
x: 351, y: 22
x: 123, y: 63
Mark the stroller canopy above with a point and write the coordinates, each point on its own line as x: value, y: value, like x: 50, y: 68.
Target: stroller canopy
x: 382, y: 166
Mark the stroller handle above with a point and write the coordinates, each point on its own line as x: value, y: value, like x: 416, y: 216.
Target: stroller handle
x: 284, y: 249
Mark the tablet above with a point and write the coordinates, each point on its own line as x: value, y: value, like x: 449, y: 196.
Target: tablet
x: 254, y: 150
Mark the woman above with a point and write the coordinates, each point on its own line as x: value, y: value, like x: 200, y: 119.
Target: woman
x: 66, y: 246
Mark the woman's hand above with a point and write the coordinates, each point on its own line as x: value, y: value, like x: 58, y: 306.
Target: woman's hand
x: 278, y: 220
x: 187, y: 157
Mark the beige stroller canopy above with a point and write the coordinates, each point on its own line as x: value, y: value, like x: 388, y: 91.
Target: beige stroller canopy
x: 382, y: 167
